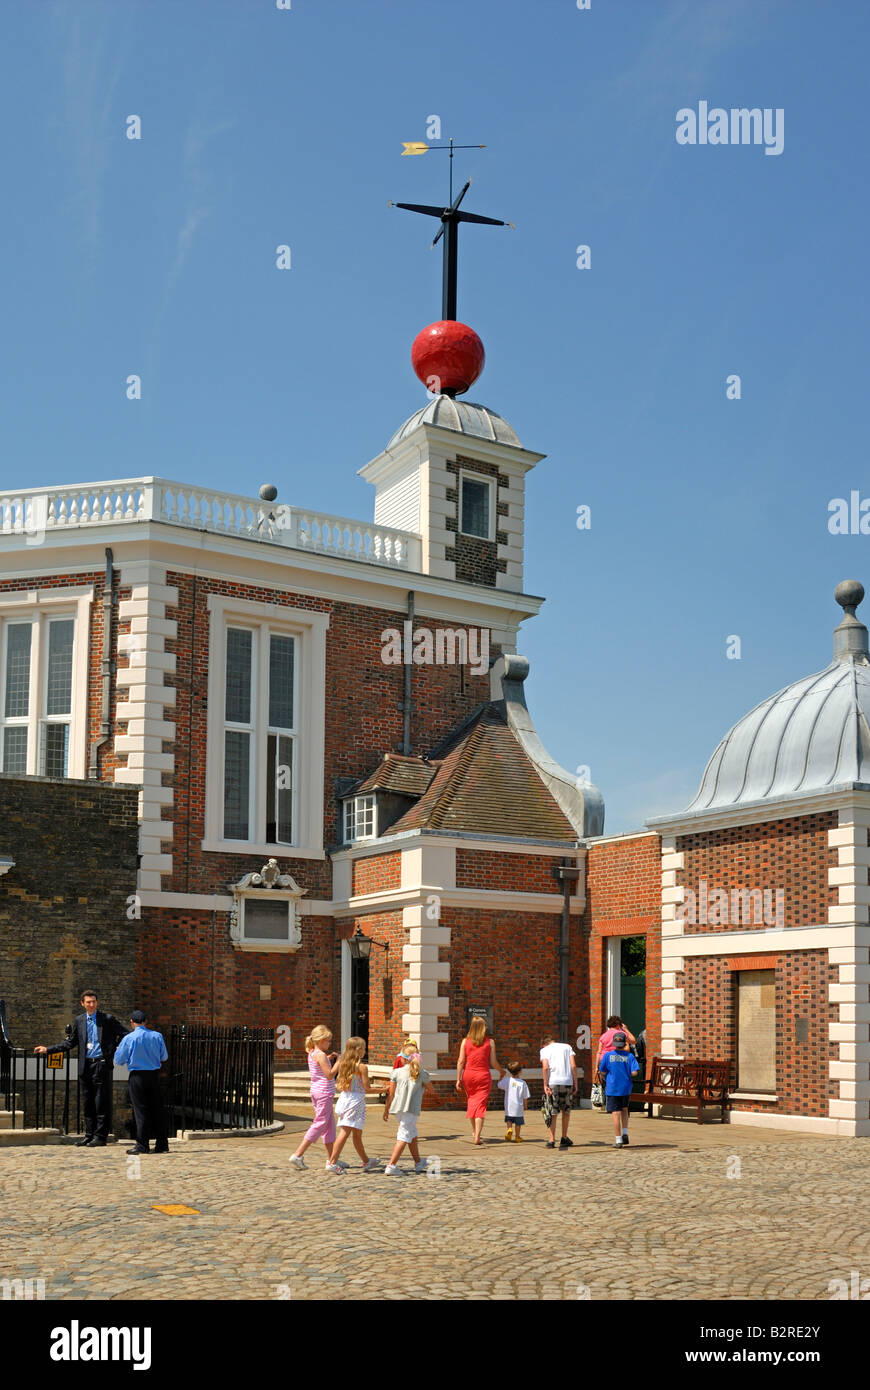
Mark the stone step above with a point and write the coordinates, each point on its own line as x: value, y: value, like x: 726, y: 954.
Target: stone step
x: 294, y: 1088
x: 7, y: 1117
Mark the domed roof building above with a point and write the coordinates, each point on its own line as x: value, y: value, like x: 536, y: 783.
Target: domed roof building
x: 808, y: 738
x: 765, y: 901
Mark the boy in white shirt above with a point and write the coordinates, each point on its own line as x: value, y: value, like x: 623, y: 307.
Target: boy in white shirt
x: 516, y: 1093
x: 560, y: 1087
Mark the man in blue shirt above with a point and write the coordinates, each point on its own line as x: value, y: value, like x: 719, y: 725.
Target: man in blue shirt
x: 142, y: 1052
x: 619, y: 1067
x: 94, y: 1037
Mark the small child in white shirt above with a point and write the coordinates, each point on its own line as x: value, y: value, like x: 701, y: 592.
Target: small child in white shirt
x: 516, y: 1093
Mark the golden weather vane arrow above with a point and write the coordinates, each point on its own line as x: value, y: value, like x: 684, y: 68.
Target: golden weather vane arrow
x: 450, y: 218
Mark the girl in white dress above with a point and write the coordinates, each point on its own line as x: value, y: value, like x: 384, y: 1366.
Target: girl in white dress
x: 351, y: 1084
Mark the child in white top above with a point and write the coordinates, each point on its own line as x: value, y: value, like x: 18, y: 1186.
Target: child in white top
x: 351, y: 1084
x: 405, y: 1101
x: 516, y: 1093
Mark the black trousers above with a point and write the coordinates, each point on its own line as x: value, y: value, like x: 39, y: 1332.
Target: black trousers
x: 147, y: 1101
x: 95, y: 1080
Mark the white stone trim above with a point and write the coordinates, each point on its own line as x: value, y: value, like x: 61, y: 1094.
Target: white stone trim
x: 809, y: 1124
x: 221, y: 902
x: 309, y: 627
x: 850, y: 1031
x: 672, y: 895
x: 426, y: 976
x: 759, y: 812
x: 145, y: 707
x: 479, y: 898
x: 392, y: 844
x: 767, y: 941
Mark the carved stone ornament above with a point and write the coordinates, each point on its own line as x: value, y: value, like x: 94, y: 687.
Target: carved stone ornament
x: 268, y: 883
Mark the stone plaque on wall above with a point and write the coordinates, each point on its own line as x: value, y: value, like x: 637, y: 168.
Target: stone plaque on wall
x: 756, y: 1030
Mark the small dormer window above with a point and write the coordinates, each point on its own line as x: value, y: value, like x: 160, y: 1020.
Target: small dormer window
x: 359, y: 818
x: 475, y: 506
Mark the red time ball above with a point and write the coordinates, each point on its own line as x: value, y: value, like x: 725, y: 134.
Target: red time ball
x: 448, y: 357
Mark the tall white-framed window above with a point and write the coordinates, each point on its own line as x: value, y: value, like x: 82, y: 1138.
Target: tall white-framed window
x: 259, y: 735
x: 43, y: 682
x: 264, y: 763
x: 476, y: 505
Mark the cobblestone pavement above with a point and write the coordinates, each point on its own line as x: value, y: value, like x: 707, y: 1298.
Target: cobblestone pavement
x: 687, y: 1211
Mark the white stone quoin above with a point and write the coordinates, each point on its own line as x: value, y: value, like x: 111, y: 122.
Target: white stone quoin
x: 146, y: 706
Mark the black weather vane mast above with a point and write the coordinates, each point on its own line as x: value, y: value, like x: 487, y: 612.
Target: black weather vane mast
x: 450, y: 218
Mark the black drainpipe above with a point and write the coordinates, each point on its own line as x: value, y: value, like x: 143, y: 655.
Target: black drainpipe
x: 108, y: 669
x: 567, y: 874
x: 406, y: 702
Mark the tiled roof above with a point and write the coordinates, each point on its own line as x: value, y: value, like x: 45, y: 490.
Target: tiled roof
x: 407, y: 776
x: 486, y: 784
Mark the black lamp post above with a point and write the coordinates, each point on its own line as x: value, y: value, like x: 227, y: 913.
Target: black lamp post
x: 360, y: 945
x: 567, y: 874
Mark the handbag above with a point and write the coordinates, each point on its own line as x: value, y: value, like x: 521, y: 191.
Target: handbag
x: 597, y: 1096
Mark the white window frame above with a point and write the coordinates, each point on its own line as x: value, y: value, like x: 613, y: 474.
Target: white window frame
x: 309, y: 628
x: 613, y: 987
x: 490, y: 483
x: 351, y: 812
x: 267, y: 944
x: 39, y: 606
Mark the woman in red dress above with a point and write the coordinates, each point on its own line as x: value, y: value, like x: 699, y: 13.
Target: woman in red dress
x: 476, y: 1056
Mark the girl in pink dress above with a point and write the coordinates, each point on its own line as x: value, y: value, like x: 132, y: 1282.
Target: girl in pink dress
x: 322, y: 1069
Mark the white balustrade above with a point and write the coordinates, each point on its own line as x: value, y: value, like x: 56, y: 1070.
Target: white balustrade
x: 50, y: 509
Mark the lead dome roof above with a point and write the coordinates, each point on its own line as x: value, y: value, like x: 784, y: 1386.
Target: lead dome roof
x: 466, y: 417
x: 809, y: 737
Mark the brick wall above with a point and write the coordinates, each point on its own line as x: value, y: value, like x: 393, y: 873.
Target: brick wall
x: 506, y: 873
x: 188, y: 970
x: 63, y: 907
x: 509, y: 960
x: 791, y: 854
x: 709, y: 1016
x: 377, y: 872
x: 386, y: 973
x: 363, y: 720
x: 623, y: 898
x: 476, y: 559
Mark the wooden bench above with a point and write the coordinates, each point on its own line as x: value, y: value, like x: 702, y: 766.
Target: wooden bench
x: 676, y: 1081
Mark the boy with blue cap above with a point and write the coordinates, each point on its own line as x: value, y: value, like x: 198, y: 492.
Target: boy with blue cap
x: 619, y: 1068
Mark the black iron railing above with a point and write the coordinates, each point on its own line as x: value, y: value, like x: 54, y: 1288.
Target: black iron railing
x: 36, y: 1091
x: 220, y: 1078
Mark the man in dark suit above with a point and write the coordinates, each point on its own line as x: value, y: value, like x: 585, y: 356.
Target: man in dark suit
x: 95, y: 1037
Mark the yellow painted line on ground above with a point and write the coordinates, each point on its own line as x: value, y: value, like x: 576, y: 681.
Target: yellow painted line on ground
x: 178, y: 1210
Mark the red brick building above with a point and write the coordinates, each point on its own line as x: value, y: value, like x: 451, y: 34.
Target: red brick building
x: 345, y: 698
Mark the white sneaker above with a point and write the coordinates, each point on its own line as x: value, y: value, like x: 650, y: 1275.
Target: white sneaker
x: 393, y: 1171
x: 335, y: 1168
x: 341, y: 1163
x: 617, y: 1143
x: 421, y: 1166
x: 371, y: 1164
x: 298, y: 1162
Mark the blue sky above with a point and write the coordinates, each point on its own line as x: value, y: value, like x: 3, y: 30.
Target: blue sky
x: 263, y: 126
